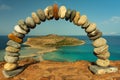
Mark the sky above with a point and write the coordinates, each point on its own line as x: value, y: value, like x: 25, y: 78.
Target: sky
x: 105, y: 13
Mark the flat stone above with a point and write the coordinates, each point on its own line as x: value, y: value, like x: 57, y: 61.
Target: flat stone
x: 100, y: 70
x: 76, y: 18
x: 23, y: 25
x: 14, y: 38
x: 30, y: 23
x: 82, y: 20
x: 93, y: 33
x: 104, y: 56
x: 18, y: 29
x: 68, y: 14
x: 49, y: 12
x: 73, y: 13
x: 12, y: 49
x: 62, y: 11
x: 41, y: 15
x: 12, y: 54
x: 9, y: 74
x: 99, y: 42
x: 103, y: 63
x: 101, y: 50
x: 11, y: 59
x: 35, y: 18
x: 19, y: 35
x: 86, y: 25
x: 99, y: 34
x: 13, y: 44
x: 10, y: 66
x: 91, y: 28
x: 55, y: 11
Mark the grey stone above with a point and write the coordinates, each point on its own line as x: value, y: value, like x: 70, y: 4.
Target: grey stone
x: 18, y: 34
x: 68, y: 14
x: 13, y: 44
x: 73, y: 13
x: 9, y: 74
x: 101, y: 70
x: 11, y: 59
x: 41, y: 15
x: 30, y: 23
x: 12, y: 54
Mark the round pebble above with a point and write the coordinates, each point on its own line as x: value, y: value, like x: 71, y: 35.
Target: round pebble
x: 10, y: 66
x: 12, y: 49
x: 18, y: 29
x: 82, y: 20
x: 23, y: 25
x: 62, y: 11
x: 13, y: 54
x: 13, y: 44
x: 19, y: 35
x: 35, y: 18
x: 55, y: 11
x: 76, y: 18
x: 11, y: 59
x: 73, y: 13
x: 104, y: 56
x: 30, y: 23
x: 41, y: 15
x: 99, y: 42
x: 101, y: 50
x: 14, y: 38
x: 99, y: 34
x: 91, y: 28
x: 103, y: 63
x: 86, y: 25
x: 68, y: 14
x: 49, y: 12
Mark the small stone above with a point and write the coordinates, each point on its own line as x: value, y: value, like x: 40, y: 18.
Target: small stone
x: 30, y: 23
x: 12, y: 54
x: 73, y: 13
x: 18, y: 29
x: 55, y: 11
x: 99, y: 34
x: 35, y: 18
x: 99, y: 42
x: 12, y: 49
x: 49, y: 12
x: 62, y: 12
x: 104, y: 56
x: 41, y: 15
x: 11, y: 59
x: 91, y: 28
x: 93, y: 33
x: 10, y: 66
x: 14, y: 38
x: 86, y: 25
x: 76, y: 18
x: 68, y: 14
x: 101, y: 50
x: 82, y: 20
x: 13, y: 44
x: 19, y: 35
x: 23, y: 25
x: 103, y: 63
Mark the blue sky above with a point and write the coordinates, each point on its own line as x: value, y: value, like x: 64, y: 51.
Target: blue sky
x: 105, y: 13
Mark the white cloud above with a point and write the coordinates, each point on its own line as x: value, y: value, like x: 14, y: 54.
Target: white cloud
x: 4, y: 7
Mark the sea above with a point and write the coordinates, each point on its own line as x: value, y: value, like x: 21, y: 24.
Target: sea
x: 69, y: 53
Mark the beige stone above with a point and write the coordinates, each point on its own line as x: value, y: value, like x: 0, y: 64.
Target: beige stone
x: 104, y: 56
x: 18, y: 29
x: 35, y: 18
x: 30, y: 23
x: 49, y: 12
x: 12, y: 49
x: 91, y: 28
x: 76, y: 18
x: 101, y: 50
x: 10, y: 66
x: 99, y: 42
x: 62, y: 11
x: 82, y: 20
x: 103, y: 63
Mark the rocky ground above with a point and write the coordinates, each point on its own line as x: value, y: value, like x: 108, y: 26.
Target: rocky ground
x: 49, y: 70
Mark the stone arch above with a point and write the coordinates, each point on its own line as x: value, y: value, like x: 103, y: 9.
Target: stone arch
x: 11, y: 67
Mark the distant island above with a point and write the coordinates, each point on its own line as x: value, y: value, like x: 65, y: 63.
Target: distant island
x: 52, y: 42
